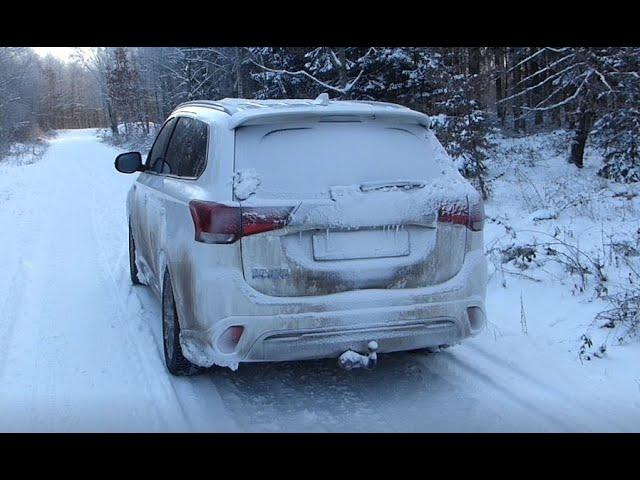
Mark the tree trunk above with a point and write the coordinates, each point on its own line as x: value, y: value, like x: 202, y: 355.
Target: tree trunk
x: 239, y: 72
x: 342, y: 68
x: 585, y: 121
x: 517, y: 103
x: 535, y: 95
x: 474, y: 61
x: 499, y: 84
x: 112, y: 120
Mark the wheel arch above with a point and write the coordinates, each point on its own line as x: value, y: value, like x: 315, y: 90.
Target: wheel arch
x: 182, y: 282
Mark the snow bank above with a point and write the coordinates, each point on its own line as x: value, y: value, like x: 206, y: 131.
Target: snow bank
x: 567, y: 232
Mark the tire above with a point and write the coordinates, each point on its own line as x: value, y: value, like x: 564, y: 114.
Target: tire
x: 133, y: 269
x: 175, y: 361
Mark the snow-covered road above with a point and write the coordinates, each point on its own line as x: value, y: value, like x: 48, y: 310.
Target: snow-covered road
x: 80, y: 348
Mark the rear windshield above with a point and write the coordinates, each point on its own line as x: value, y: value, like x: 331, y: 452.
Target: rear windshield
x: 308, y: 159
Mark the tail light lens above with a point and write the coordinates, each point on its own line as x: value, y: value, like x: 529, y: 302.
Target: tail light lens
x: 218, y: 223
x: 471, y: 215
x: 476, y: 215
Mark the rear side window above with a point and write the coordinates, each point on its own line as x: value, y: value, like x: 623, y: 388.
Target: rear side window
x: 160, y: 143
x: 187, y: 151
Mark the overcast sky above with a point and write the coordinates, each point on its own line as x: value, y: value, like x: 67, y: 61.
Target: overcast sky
x: 62, y: 53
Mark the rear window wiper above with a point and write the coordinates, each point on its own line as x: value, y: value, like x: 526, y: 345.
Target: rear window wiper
x: 397, y: 184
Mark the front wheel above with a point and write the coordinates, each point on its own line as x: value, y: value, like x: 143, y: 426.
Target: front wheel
x: 176, y: 362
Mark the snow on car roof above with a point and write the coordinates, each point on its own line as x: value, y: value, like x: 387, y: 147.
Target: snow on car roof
x: 250, y: 112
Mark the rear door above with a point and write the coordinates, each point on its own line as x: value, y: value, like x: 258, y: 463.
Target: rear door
x: 145, y: 186
x: 365, y: 199
x: 185, y: 160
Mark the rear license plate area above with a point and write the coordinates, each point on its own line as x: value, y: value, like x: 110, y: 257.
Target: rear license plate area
x: 361, y: 244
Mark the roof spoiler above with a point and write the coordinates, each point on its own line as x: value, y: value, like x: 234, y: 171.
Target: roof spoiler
x: 405, y: 116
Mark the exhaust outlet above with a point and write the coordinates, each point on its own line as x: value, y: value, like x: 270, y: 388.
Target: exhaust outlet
x: 350, y: 359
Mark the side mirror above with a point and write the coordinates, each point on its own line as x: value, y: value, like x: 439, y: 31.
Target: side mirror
x: 129, y: 162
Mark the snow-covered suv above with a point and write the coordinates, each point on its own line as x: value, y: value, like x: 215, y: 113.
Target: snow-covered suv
x: 299, y: 229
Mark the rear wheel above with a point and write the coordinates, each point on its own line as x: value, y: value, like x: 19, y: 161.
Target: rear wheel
x: 176, y: 362
x: 133, y: 269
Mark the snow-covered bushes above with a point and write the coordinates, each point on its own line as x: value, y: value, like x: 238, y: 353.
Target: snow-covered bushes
x: 568, y: 230
x: 535, y: 254
x: 620, y: 322
x: 624, y: 314
x: 24, y: 153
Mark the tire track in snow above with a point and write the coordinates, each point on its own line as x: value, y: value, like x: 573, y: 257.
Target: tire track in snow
x: 11, y: 306
x: 30, y: 311
x: 200, y: 399
x: 101, y: 228
x: 15, y: 289
x: 546, y: 389
x: 64, y: 367
x: 193, y: 401
x: 528, y: 413
x: 400, y: 394
x: 21, y: 230
x: 311, y: 396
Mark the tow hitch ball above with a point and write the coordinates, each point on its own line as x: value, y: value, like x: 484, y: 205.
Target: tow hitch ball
x: 350, y: 359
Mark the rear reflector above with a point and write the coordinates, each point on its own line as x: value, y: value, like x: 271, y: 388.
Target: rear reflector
x: 218, y: 223
x: 476, y: 318
x: 471, y: 216
x: 229, y: 339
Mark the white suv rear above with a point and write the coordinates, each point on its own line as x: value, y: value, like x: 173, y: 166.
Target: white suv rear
x: 297, y: 229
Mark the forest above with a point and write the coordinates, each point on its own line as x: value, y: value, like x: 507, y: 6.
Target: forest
x: 591, y: 92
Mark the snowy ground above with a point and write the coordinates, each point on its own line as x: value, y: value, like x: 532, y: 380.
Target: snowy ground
x: 80, y: 348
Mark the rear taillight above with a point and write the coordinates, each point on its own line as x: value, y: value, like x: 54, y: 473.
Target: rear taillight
x: 471, y: 215
x: 476, y: 215
x: 218, y: 223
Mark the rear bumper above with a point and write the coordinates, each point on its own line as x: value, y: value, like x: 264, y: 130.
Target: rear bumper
x: 328, y: 334
x: 398, y: 320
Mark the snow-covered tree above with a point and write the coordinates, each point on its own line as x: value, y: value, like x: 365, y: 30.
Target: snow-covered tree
x: 617, y: 131
x: 270, y: 69
x: 18, y: 93
x: 338, y: 70
x: 584, y: 81
x: 460, y: 120
x: 123, y: 86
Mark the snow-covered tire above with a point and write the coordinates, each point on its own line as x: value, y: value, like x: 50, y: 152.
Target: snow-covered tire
x: 176, y: 362
x: 133, y: 269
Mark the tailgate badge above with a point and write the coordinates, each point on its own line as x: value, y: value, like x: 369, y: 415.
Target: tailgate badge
x: 271, y: 273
